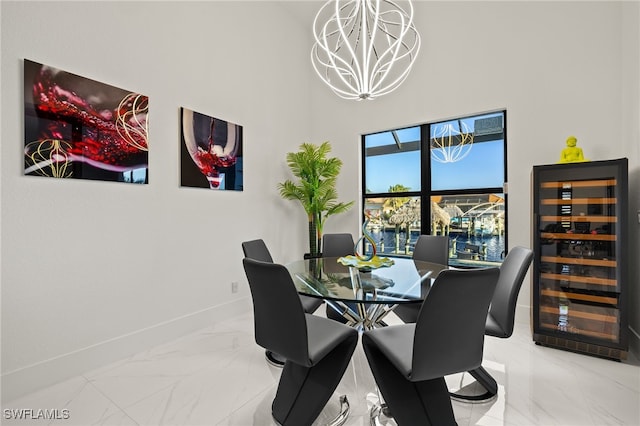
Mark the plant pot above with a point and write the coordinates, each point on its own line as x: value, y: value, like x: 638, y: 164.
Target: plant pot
x: 308, y: 256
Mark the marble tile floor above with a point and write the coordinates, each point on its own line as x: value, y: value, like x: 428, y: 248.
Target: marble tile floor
x: 219, y: 376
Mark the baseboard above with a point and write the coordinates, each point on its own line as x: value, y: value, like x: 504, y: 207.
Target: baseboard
x: 49, y: 372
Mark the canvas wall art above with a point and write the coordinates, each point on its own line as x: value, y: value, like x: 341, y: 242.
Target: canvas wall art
x: 80, y: 128
x: 211, y: 153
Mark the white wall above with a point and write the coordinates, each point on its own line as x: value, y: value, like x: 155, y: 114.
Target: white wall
x: 559, y: 69
x: 630, y: 71
x: 92, y: 270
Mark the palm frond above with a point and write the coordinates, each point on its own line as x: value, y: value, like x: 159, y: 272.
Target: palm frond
x: 316, y: 187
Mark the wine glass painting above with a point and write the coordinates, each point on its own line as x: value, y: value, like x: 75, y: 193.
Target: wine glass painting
x: 211, y: 154
x: 80, y: 128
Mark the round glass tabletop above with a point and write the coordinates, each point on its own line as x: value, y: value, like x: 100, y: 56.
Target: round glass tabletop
x: 406, y: 281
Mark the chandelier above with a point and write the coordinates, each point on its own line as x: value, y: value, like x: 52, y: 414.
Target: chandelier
x: 364, y: 48
x: 450, y: 144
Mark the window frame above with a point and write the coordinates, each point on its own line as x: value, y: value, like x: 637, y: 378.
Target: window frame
x: 425, y: 193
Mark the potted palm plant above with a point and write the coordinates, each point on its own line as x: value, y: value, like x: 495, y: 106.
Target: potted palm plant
x: 315, y: 188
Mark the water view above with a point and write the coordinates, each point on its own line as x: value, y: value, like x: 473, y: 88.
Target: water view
x: 463, y: 249
x: 474, y: 224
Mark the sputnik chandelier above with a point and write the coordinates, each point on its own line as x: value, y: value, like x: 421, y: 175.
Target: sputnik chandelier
x: 450, y: 144
x: 364, y: 48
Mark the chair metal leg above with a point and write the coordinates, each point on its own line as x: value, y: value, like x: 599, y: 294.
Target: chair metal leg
x: 274, y: 359
x: 374, y: 415
x: 486, y: 381
x: 343, y: 415
x: 378, y: 411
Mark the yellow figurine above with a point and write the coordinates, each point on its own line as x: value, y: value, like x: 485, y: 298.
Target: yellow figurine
x: 572, y: 154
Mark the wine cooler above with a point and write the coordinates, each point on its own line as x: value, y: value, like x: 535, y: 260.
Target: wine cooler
x: 580, y: 287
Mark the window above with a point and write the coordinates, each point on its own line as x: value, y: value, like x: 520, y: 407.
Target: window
x: 441, y: 178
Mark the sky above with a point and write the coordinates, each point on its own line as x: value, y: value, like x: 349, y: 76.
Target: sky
x: 481, y: 167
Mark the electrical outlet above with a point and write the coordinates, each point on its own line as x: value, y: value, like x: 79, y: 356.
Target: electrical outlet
x: 234, y: 286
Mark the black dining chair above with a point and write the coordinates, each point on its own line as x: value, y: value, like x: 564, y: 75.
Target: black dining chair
x: 317, y: 350
x: 257, y: 249
x: 428, y: 248
x: 337, y: 245
x: 502, y: 313
x: 409, y: 361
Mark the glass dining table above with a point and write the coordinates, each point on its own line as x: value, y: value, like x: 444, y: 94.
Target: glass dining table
x: 364, y: 297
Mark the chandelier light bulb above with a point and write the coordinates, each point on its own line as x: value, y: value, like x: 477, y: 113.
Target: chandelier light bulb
x: 364, y: 48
